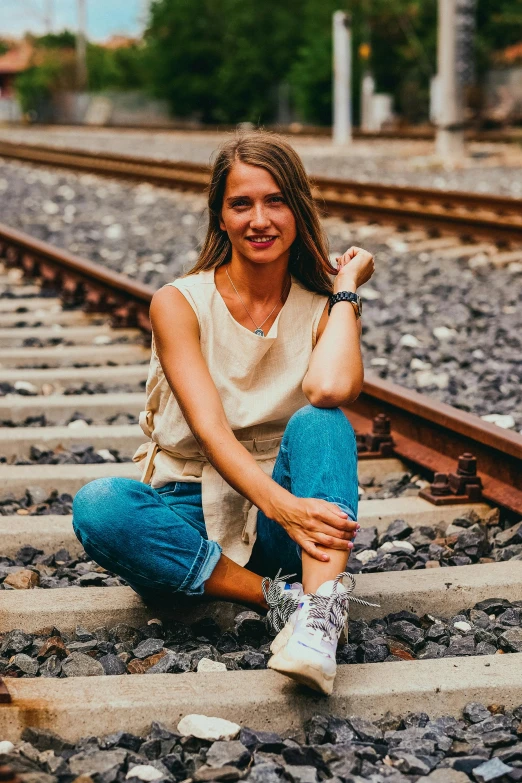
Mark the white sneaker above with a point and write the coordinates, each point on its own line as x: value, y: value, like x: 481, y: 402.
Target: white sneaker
x: 308, y: 656
x: 282, y: 598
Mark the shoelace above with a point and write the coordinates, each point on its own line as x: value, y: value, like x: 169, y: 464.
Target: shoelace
x: 327, y: 611
x: 280, y: 606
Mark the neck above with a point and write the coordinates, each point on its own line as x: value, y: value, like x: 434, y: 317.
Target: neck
x: 259, y: 282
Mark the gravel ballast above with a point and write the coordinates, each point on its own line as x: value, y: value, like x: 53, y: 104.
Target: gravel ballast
x: 33, y: 568
x: 76, y: 421
x: 483, y: 745
x: 490, y: 627
x: 81, y: 387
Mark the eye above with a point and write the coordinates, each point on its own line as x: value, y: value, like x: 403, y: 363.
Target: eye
x: 240, y: 202
x: 277, y: 199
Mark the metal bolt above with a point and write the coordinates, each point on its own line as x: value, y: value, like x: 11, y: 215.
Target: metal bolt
x: 467, y: 465
x: 381, y: 425
x: 440, y: 485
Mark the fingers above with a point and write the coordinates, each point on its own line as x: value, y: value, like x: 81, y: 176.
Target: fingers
x: 310, y: 549
x: 331, y: 542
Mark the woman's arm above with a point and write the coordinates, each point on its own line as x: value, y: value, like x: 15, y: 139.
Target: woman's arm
x: 335, y: 374
x: 309, y: 521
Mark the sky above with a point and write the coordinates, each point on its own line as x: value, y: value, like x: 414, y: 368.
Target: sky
x: 104, y: 17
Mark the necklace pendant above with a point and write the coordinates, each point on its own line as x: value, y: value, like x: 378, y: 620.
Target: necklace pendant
x: 259, y: 332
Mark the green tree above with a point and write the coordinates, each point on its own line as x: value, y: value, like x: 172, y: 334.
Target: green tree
x: 311, y: 73
x: 120, y: 69
x: 184, y: 52
x: 259, y: 41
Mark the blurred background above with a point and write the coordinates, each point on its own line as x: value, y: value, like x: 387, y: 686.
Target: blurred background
x: 190, y: 63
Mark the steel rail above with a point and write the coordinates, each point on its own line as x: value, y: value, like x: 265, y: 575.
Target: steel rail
x: 468, y: 215
x: 511, y: 135
x: 426, y: 433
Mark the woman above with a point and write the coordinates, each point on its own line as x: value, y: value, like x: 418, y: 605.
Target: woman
x: 251, y: 466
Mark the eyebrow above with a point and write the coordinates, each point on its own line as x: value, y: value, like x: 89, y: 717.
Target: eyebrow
x: 269, y: 195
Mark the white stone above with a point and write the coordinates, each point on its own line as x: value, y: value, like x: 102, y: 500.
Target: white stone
x: 478, y: 261
x: 77, y: 424
x: 462, y: 626
x: 444, y: 333
x: 6, y: 746
x: 365, y: 556
x: 50, y: 208
x: 189, y: 220
x: 505, y: 421
x: 392, y: 547
x: 370, y: 293
x: 144, y: 772
x: 208, y: 665
x: 66, y: 192
x: 427, y: 378
x: 114, y: 231
x: 207, y: 728
x: 26, y: 386
x: 101, y: 339
x: 418, y: 364
x: 409, y: 341
x: 378, y: 362
x: 106, y: 455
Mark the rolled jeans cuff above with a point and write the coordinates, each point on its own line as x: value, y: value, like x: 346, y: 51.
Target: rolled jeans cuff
x: 201, y: 569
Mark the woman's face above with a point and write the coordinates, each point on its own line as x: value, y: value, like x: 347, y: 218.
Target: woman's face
x: 255, y: 215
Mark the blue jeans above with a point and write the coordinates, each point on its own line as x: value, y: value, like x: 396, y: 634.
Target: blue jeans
x: 156, y: 538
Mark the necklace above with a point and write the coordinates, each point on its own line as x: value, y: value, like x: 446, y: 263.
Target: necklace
x: 258, y: 329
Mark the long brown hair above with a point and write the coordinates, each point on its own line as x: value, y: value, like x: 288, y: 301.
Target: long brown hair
x: 309, y: 261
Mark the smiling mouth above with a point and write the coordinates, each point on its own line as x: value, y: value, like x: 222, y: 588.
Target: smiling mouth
x: 261, y: 240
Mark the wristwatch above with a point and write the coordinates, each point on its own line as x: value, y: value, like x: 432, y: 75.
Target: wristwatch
x: 347, y: 296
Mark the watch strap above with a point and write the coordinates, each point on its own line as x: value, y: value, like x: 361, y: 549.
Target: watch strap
x: 344, y: 296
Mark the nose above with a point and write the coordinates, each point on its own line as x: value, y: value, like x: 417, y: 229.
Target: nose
x: 259, y: 219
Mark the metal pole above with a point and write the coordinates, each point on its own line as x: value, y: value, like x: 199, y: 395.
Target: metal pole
x: 81, y: 47
x: 49, y: 16
x: 450, y: 133
x: 342, y: 75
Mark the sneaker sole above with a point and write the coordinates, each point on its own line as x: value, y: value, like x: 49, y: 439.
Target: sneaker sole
x: 279, y: 642
x: 303, y: 673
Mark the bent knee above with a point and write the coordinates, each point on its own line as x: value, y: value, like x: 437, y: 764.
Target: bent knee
x: 102, y: 500
x: 310, y: 417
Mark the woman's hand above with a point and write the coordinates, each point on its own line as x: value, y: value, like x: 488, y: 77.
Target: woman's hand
x: 354, y: 268
x: 312, y: 521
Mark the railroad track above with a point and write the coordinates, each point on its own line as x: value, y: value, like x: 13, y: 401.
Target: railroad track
x: 469, y: 216
x: 65, y: 322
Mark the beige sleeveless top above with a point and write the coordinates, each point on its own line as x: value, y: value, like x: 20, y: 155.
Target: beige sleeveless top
x: 259, y: 382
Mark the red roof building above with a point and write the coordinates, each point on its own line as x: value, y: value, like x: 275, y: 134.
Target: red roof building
x: 13, y: 62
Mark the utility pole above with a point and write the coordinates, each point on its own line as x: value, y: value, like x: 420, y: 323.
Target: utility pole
x: 450, y: 132
x: 342, y: 74
x: 49, y: 16
x: 81, y: 47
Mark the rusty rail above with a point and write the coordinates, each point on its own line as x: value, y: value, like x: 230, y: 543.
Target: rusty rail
x: 428, y: 434
x: 467, y: 215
